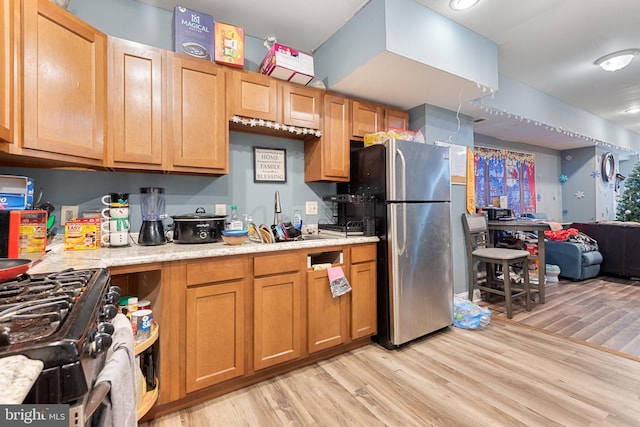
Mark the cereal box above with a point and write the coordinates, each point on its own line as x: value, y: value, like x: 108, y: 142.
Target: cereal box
x: 82, y: 233
x: 283, y: 62
x: 229, y: 45
x: 193, y: 33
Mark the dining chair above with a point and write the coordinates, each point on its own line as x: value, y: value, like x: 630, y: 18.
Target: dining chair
x: 481, y: 251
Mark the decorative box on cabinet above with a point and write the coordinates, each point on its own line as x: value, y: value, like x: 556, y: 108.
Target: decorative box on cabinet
x: 277, y: 309
x: 136, y: 99
x: 64, y: 102
x: 327, y: 158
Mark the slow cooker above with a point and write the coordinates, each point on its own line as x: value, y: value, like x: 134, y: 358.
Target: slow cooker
x: 198, y: 227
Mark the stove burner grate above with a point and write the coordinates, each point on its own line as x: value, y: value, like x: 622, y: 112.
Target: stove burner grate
x: 32, y: 308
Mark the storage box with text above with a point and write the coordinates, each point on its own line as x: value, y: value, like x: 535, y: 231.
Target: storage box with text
x: 229, y: 45
x: 193, y: 33
x: 285, y: 63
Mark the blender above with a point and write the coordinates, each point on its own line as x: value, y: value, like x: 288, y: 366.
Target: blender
x: 152, y: 204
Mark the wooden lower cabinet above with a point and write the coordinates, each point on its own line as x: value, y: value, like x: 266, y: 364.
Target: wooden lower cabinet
x: 363, y: 291
x: 328, y: 316
x: 214, y: 322
x: 277, y: 310
x: 231, y: 321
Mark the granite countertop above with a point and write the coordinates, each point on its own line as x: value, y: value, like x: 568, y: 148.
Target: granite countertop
x: 17, y: 375
x: 58, y: 259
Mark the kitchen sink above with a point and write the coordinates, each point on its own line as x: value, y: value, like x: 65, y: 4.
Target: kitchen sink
x: 316, y: 237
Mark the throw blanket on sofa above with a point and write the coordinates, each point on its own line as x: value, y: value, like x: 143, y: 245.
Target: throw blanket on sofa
x: 572, y: 235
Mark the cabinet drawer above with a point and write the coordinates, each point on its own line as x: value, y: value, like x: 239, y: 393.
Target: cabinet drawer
x: 276, y: 264
x: 199, y: 272
x: 363, y: 253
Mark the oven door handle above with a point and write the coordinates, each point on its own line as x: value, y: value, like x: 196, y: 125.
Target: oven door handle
x: 96, y: 397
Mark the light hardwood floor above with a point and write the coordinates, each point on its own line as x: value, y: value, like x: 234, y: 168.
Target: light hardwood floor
x: 507, y: 374
x: 603, y: 311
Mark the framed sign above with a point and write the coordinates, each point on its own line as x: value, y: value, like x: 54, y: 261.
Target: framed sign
x: 269, y: 165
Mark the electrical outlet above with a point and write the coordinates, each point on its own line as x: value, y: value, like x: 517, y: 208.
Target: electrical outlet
x: 311, y: 208
x: 67, y: 213
x: 220, y: 209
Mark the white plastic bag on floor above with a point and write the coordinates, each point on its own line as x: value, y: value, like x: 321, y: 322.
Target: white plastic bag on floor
x: 469, y: 315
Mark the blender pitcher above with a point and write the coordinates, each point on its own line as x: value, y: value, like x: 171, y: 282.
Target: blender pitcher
x: 152, y: 204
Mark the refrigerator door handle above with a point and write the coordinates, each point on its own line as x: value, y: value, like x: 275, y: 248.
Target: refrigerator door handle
x: 403, y: 184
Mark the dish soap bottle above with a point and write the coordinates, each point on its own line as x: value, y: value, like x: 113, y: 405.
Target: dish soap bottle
x: 297, y: 220
x: 234, y: 221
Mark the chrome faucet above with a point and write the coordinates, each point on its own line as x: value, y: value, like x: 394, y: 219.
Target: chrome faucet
x: 277, y: 210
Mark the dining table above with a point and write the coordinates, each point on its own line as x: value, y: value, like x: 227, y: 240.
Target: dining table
x: 537, y: 226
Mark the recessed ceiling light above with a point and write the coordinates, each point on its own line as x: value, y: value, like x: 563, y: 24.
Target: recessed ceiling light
x: 462, y: 4
x: 617, y: 60
x: 633, y: 110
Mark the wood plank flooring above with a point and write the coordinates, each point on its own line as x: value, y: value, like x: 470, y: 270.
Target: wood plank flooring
x: 603, y: 311
x: 518, y: 372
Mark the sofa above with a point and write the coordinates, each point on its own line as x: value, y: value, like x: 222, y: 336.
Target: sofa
x: 619, y: 243
x: 575, y: 263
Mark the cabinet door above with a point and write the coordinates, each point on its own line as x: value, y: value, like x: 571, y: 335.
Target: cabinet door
x: 214, y: 334
x: 64, y: 84
x: 300, y: 105
x: 7, y: 70
x: 366, y: 117
x: 395, y: 119
x: 253, y: 95
x: 363, y: 299
x: 135, y: 104
x: 199, y: 129
x: 277, y: 322
x: 327, y: 158
x: 328, y: 316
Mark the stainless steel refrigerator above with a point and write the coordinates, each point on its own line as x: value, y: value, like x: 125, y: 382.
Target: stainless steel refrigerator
x: 410, y: 183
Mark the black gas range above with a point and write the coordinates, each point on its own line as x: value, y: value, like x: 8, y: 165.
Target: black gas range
x: 61, y: 319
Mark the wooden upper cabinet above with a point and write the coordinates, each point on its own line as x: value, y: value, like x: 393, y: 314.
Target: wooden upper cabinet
x: 395, y: 119
x: 366, y: 117
x: 253, y: 95
x: 197, y: 121
x: 300, y: 105
x: 136, y: 86
x: 8, y: 59
x: 64, y: 80
x: 327, y: 158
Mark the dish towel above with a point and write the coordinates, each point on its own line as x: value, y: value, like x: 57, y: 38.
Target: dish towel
x: 119, y: 407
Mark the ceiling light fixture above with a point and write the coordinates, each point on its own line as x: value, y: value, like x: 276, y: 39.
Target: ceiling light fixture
x: 617, y: 60
x: 633, y: 110
x: 462, y: 4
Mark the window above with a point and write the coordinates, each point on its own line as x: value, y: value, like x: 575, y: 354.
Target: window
x: 505, y: 173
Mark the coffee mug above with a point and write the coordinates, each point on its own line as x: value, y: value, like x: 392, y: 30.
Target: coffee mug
x: 108, y: 213
x: 115, y: 225
x: 115, y: 239
x: 116, y: 200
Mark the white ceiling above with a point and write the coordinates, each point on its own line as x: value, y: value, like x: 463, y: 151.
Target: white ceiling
x: 549, y: 45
